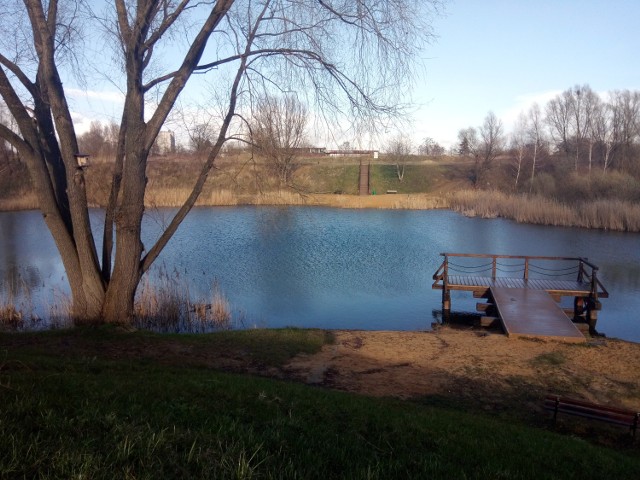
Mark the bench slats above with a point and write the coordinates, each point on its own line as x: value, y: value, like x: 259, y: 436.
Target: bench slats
x: 613, y: 415
x: 583, y: 403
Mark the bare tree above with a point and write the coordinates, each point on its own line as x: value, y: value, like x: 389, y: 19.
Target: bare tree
x: 536, y: 138
x: 558, y: 118
x: 96, y: 141
x: 626, y: 122
x: 604, y: 129
x: 278, y: 132
x: 325, y: 49
x: 519, y: 143
x: 489, y: 147
x: 201, y: 138
x: 591, y: 105
x: 468, y: 142
x: 431, y: 148
x: 578, y: 119
x: 399, y: 153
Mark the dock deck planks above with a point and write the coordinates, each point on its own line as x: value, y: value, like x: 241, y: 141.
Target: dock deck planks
x: 566, y: 287
x: 525, y: 312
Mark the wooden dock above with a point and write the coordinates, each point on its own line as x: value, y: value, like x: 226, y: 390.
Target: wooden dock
x: 524, y: 312
x: 524, y: 291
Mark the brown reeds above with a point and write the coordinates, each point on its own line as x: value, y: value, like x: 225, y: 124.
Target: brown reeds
x: 164, y: 305
x: 620, y: 215
x: 16, y: 306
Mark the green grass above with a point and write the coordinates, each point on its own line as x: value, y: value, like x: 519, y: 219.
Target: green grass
x: 330, y: 178
x: 259, y: 347
x: 417, y: 178
x: 69, y: 413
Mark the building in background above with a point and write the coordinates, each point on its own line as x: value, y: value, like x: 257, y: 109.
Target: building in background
x: 165, y: 143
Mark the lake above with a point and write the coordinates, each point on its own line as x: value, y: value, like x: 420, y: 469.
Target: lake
x: 333, y: 268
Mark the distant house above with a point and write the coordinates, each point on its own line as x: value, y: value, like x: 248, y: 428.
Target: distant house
x: 352, y: 153
x: 311, y: 151
x: 165, y: 142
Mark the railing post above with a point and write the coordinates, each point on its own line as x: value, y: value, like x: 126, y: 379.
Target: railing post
x: 593, y: 305
x: 526, y: 268
x: 493, y: 268
x: 446, y: 295
x: 580, y: 271
x: 594, y: 283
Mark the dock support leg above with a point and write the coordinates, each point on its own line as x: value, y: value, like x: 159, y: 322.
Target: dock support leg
x: 446, y: 300
x: 446, y: 306
x: 578, y: 307
x: 592, y: 316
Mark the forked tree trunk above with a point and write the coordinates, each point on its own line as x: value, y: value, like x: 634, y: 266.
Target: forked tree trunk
x: 127, y: 268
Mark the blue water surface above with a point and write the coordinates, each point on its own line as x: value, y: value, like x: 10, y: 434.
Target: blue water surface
x: 335, y: 268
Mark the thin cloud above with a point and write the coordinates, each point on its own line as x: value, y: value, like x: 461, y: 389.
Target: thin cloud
x: 105, y: 96
x: 523, y: 103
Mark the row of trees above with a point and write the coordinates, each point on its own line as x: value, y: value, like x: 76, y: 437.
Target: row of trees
x: 577, y: 127
x: 275, y: 129
x: 100, y: 140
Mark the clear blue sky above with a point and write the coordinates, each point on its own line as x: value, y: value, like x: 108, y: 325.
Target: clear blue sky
x: 501, y: 55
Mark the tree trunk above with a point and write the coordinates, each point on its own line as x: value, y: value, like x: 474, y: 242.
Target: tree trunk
x: 533, y: 166
x: 127, y: 268
x: 120, y: 295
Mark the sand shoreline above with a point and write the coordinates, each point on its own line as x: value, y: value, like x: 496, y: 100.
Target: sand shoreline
x: 488, y: 369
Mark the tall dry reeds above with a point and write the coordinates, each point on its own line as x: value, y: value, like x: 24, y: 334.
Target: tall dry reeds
x: 612, y: 214
x: 175, y: 197
x: 164, y: 304
x: 17, y: 311
x: 419, y: 202
x: 278, y: 197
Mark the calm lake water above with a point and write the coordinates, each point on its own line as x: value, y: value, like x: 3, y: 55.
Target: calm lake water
x: 334, y: 268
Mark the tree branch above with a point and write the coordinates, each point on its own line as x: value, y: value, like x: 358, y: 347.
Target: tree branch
x: 183, y: 74
x: 20, y: 75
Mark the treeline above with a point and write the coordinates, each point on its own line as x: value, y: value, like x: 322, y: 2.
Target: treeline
x: 101, y: 140
x: 578, y: 131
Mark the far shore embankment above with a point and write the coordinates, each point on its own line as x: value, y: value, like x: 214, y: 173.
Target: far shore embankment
x: 603, y: 214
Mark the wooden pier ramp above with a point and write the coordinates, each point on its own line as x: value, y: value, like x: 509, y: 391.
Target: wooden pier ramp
x: 524, y: 312
x: 524, y: 292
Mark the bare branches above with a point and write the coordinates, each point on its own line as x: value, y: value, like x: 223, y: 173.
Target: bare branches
x: 278, y: 131
x: 399, y: 152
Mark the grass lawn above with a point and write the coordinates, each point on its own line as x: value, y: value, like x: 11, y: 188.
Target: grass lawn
x: 73, y: 408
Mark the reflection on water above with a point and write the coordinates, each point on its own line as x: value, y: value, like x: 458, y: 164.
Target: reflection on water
x: 332, y: 268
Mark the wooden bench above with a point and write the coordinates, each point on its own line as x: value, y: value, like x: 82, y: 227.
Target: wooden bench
x: 581, y: 408
x: 392, y: 191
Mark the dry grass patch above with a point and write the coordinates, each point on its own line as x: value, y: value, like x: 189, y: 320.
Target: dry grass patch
x: 610, y: 214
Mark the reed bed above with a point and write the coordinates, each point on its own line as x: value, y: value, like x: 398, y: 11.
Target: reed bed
x: 419, y: 202
x: 17, y: 311
x: 175, y: 197
x: 164, y: 305
x: 278, y: 197
x: 612, y: 214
